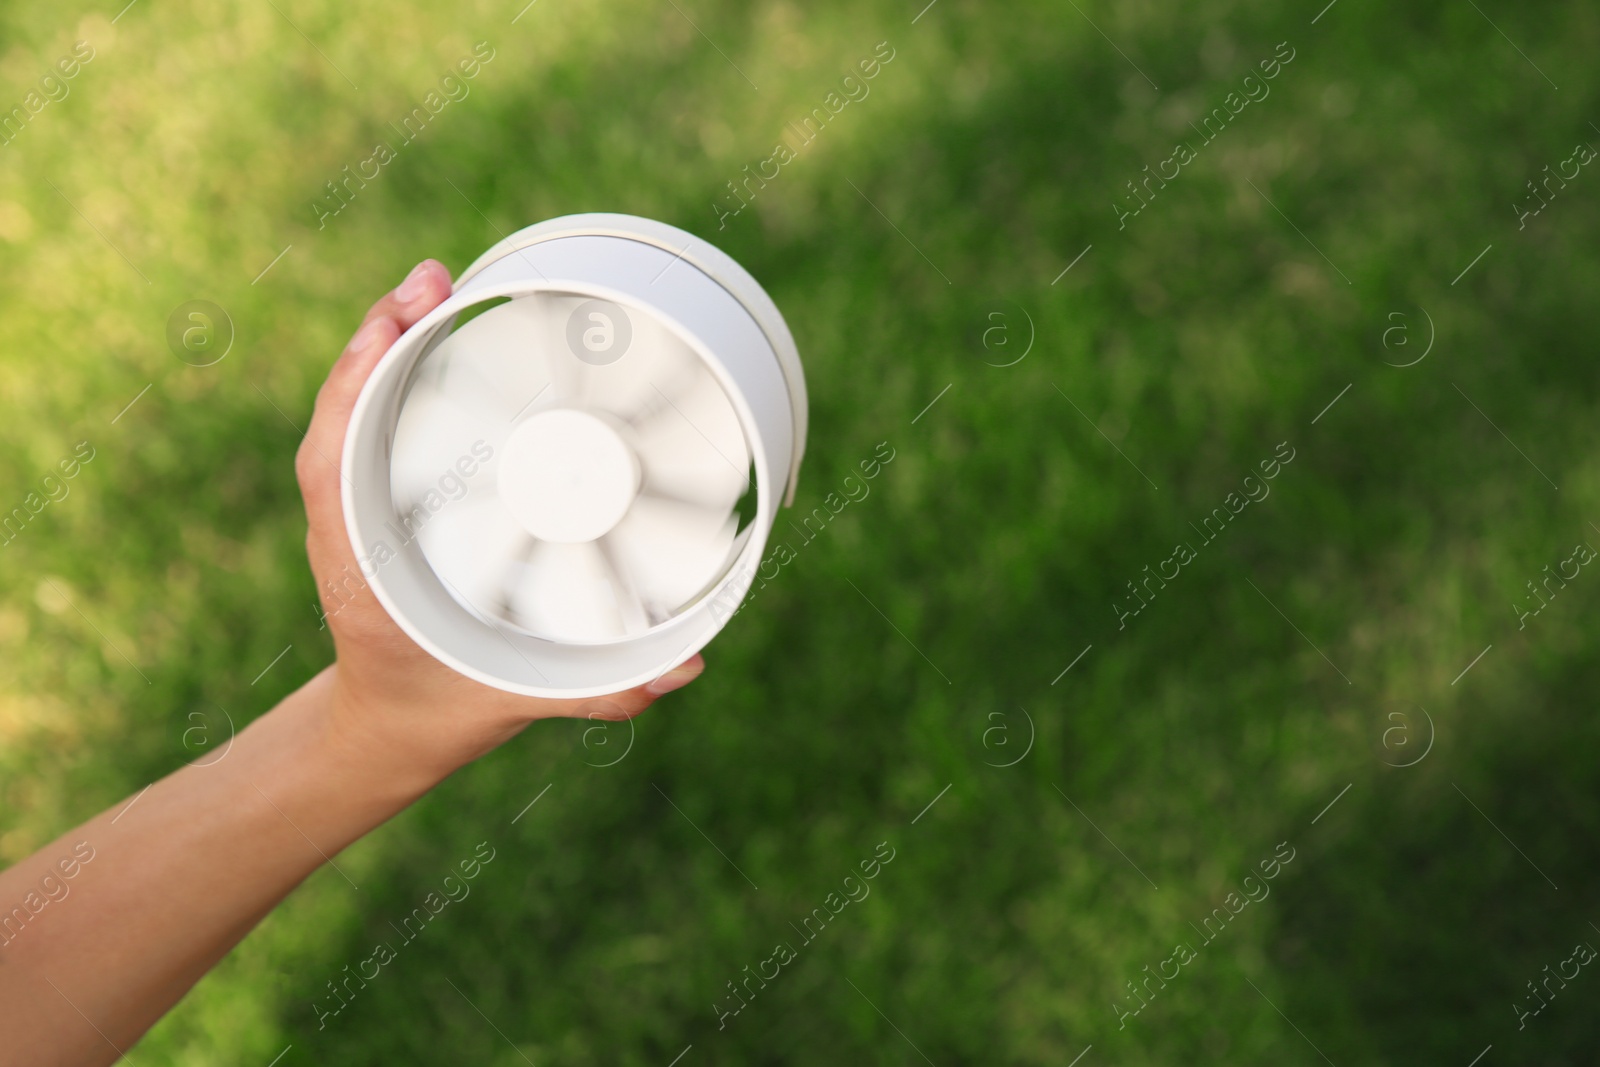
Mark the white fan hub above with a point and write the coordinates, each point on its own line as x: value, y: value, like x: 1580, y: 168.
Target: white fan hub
x: 567, y: 476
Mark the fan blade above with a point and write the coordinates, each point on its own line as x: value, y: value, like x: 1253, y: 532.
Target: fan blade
x: 671, y: 550
x: 497, y: 364
x: 470, y: 543
x: 436, y: 440
x: 656, y: 359
x: 567, y: 592
x: 692, y: 447
x: 636, y: 615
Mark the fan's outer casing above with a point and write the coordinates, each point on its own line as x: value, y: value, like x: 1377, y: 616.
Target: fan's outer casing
x: 716, y: 307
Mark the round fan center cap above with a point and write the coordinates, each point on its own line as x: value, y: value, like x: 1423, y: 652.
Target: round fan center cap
x: 567, y: 476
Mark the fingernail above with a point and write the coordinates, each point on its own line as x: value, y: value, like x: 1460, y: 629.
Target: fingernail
x: 414, y: 284
x: 366, y: 335
x: 676, y: 678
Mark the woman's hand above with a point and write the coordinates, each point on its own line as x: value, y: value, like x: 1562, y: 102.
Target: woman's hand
x: 389, y: 697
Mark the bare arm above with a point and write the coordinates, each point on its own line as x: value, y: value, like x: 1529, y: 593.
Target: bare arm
x: 108, y: 926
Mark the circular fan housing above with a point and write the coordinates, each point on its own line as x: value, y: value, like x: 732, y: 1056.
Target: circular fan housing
x: 560, y: 482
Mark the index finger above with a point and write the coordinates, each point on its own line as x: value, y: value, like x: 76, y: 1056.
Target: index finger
x: 424, y: 289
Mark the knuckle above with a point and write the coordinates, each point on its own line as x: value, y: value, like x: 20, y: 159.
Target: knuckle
x: 634, y: 701
x: 302, y: 466
x: 618, y: 707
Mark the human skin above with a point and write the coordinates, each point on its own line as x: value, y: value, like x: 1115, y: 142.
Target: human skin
x: 184, y: 872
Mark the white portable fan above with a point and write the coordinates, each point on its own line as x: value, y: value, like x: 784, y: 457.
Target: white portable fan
x: 568, y: 493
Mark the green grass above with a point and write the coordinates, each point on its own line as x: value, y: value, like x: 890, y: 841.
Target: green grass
x: 1193, y: 341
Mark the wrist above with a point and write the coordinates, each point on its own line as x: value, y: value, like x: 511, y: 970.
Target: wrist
x: 368, y: 746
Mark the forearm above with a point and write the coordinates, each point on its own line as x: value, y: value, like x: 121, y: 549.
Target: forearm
x: 176, y: 878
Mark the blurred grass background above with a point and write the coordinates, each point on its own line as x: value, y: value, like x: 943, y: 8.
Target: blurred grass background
x: 1220, y: 722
